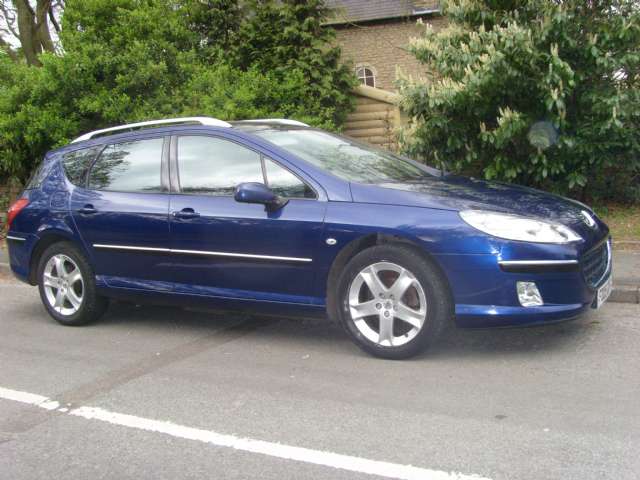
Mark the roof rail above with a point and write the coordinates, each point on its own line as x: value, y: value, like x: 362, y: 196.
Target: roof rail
x: 279, y: 121
x: 213, y: 122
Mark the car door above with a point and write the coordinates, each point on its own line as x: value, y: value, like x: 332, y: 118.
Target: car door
x: 232, y: 249
x: 122, y: 213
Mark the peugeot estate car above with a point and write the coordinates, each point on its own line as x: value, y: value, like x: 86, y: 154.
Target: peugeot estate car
x: 280, y: 218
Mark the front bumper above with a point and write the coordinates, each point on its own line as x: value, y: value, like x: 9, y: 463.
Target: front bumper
x: 483, y: 316
x: 485, y: 294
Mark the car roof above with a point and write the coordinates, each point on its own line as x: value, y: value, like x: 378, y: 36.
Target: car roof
x: 169, y: 126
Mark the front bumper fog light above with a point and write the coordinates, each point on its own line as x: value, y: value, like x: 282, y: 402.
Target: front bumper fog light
x: 528, y: 294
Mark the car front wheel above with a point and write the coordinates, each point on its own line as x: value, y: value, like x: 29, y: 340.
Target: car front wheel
x: 394, y: 301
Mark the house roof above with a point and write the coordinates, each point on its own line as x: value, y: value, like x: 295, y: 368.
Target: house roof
x: 354, y: 11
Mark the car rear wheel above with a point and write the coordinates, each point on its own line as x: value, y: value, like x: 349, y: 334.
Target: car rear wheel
x: 67, y: 286
x: 394, y: 301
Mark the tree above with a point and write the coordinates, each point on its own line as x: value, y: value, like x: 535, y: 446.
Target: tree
x: 545, y: 93
x: 284, y: 35
x: 30, y: 25
x: 129, y: 60
x: 217, y: 22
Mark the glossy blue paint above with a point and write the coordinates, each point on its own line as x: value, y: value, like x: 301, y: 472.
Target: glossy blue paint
x: 224, y: 225
x: 215, y: 251
x: 253, y: 192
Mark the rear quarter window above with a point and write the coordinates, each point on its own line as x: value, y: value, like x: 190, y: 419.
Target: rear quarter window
x: 76, y: 164
x: 37, y: 177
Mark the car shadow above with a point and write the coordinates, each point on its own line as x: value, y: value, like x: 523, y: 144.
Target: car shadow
x: 319, y: 333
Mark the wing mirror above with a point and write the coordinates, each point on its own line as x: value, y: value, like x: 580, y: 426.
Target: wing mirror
x: 253, y: 192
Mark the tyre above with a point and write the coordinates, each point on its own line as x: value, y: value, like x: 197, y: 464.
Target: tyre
x: 67, y: 286
x: 393, y: 301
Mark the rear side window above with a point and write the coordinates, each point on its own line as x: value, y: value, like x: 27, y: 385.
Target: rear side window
x: 215, y: 166
x: 129, y: 167
x: 37, y: 177
x: 76, y: 164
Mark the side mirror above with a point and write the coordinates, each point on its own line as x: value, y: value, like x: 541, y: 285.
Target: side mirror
x: 253, y: 192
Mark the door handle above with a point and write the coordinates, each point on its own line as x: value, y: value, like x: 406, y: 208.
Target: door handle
x: 186, y: 213
x: 87, y: 209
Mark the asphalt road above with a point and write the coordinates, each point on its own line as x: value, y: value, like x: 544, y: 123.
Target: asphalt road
x: 559, y: 402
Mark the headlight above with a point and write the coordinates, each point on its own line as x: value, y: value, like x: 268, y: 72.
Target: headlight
x: 514, y: 227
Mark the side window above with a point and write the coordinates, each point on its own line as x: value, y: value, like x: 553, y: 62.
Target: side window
x: 129, y: 167
x: 215, y: 166
x: 76, y: 164
x: 285, y: 183
x: 37, y: 177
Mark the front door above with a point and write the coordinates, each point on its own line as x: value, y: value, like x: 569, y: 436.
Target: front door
x: 122, y: 214
x: 225, y: 248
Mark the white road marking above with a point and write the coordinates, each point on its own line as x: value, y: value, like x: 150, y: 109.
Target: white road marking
x: 29, y: 398
x: 272, y: 449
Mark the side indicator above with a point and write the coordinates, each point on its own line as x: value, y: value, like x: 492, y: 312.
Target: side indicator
x: 331, y: 241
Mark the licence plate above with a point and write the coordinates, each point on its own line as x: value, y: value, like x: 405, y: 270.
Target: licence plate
x: 604, y: 291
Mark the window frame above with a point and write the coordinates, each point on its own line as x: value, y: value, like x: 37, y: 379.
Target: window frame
x: 164, y: 165
x: 363, y: 80
x: 174, y: 169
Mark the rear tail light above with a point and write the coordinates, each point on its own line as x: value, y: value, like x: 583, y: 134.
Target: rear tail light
x: 15, y: 209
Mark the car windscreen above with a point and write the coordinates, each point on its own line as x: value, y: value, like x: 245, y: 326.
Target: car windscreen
x: 345, y: 158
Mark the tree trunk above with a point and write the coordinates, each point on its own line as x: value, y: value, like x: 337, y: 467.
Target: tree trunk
x: 33, y: 29
x: 27, y: 32
x: 44, y: 35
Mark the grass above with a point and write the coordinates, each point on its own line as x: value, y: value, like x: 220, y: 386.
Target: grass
x: 624, y: 222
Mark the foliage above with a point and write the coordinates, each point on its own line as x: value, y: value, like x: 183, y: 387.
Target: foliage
x: 131, y: 60
x: 544, y: 93
x: 281, y: 36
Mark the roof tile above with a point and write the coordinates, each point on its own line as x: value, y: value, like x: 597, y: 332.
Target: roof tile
x: 345, y: 11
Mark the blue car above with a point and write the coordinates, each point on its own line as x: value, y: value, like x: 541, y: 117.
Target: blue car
x: 276, y: 217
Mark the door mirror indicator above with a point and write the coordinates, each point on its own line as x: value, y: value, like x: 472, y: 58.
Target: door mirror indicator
x: 254, y: 192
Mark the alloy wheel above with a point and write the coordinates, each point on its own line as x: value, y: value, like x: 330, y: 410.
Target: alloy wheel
x: 387, y: 304
x: 63, y: 284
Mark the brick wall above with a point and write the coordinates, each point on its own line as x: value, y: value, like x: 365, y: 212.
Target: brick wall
x: 382, y: 45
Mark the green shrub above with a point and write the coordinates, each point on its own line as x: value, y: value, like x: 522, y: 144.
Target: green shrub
x: 132, y: 60
x: 532, y: 91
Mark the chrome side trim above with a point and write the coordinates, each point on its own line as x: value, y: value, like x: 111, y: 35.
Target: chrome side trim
x: 17, y: 239
x: 126, y: 247
x: 203, y: 252
x: 537, y: 262
x: 241, y: 255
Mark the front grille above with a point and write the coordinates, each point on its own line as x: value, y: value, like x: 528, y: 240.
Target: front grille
x: 595, y: 264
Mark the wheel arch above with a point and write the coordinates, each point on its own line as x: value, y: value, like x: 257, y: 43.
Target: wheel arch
x: 362, y: 243
x: 46, y: 239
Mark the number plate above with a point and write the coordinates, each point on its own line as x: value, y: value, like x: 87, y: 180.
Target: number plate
x: 604, y: 291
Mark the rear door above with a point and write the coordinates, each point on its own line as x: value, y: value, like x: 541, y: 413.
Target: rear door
x: 239, y: 249
x: 122, y: 213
